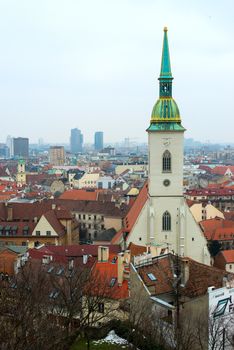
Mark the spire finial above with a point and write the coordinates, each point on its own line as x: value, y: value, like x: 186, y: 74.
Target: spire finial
x: 165, y: 29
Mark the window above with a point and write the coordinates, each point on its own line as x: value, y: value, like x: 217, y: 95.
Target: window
x: 102, y: 227
x: 60, y: 271
x: 230, y: 267
x: 192, y: 238
x: 101, y: 308
x: 166, y: 162
x: 48, y: 233
x: 79, y: 216
x: 166, y: 221
x: 94, y: 217
x: 84, y: 216
x: 38, y: 233
x: 151, y: 277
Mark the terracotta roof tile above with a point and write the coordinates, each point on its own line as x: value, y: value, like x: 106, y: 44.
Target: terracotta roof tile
x: 228, y: 256
x: 200, y: 276
x: 95, y: 207
x: 81, y: 195
x: 136, y: 249
x: 108, y: 270
x: 136, y: 208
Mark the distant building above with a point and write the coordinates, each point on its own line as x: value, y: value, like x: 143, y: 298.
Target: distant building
x: 76, y: 141
x: 21, y: 174
x: 98, y: 140
x: 57, y: 155
x: 20, y: 147
x: 4, y: 151
x: 9, y: 143
x: 108, y: 150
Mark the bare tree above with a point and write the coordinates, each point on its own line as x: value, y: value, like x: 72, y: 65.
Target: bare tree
x: 48, y: 306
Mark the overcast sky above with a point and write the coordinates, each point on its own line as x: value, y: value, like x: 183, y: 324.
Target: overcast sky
x: 94, y: 64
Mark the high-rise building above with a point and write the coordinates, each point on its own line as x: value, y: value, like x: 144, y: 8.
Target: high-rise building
x: 9, y: 143
x: 98, y: 140
x: 76, y: 141
x: 57, y: 155
x: 20, y: 147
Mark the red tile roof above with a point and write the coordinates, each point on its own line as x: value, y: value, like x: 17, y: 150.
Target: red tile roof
x: 136, y: 208
x: 221, y: 169
x: 54, y: 222
x: 67, y: 251
x: 200, y: 276
x: 81, y: 195
x: 228, y: 256
x: 19, y: 228
x: 105, y: 272
x: 136, y: 249
x: 96, y: 207
x: 217, y: 229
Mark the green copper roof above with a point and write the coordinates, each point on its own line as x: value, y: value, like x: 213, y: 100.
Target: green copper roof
x: 165, y: 64
x: 165, y: 114
x: 165, y: 110
x: 165, y: 127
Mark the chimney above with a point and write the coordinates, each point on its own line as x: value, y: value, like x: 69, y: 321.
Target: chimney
x: 185, y: 271
x: 9, y: 213
x: 120, y: 268
x: 35, y: 219
x: 103, y: 254
x: 153, y: 251
x: 53, y: 206
x: 127, y: 256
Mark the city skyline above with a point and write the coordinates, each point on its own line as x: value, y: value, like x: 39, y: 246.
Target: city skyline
x: 58, y: 69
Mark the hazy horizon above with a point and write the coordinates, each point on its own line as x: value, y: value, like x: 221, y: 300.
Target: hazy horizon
x: 94, y: 65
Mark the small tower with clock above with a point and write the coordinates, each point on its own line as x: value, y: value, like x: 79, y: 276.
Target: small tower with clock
x: 165, y: 140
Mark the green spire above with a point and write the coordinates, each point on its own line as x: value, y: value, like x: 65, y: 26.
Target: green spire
x: 165, y: 64
x: 165, y: 115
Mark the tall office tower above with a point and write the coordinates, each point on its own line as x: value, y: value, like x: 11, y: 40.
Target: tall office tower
x: 9, y: 143
x: 98, y: 140
x: 76, y: 141
x: 20, y: 147
x: 57, y: 155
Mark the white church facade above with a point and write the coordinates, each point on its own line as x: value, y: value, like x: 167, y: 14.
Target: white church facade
x: 165, y: 219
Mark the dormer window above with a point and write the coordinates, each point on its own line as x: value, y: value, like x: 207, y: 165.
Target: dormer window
x: 25, y: 230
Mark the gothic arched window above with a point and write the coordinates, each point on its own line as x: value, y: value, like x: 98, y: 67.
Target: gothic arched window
x: 166, y: 162
x: 166, y: 221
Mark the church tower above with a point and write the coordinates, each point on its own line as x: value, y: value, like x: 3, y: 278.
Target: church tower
x: 166, y: 142
x: 165, y: 219
x: 21, y: 174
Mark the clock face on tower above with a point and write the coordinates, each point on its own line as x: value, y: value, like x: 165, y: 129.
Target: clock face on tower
x: 166, y: 142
